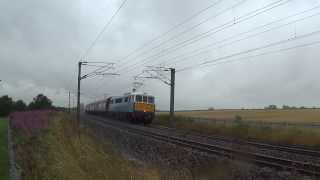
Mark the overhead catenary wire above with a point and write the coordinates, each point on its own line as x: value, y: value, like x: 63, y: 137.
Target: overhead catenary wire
x: 210, y: 32
x: 241, y: 39
x: 102, y: 68
x: 263, y: 54
x: 183, y: 32
x: 81, y: 57
x: 204, y: 35
x: 102, y: 31
x: 251, y: 56
x: 250, y: 50
x: 188, y: 19
x: 190, y: 29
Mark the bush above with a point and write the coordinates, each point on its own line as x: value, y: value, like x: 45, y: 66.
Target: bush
x: 19, y: 106
x: 29, y: 122
x: 238, y: 118
x: 6, y: 105
x: 40, y: 102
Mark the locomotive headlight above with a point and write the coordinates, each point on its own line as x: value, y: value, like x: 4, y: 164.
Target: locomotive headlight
x: 144, y: 111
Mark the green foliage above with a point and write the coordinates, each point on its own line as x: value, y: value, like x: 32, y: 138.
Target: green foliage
x: 40, y: 102
x: 290, y: 107
x: 238, y: 118
x: 271, y: 107
x: 19, y: 106
x: 4, y: 162
x: 61, y: 153
x: 6, y: 105
x: 240, y: 128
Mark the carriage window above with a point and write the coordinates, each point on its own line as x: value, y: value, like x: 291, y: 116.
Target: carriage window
x: 150, y: 99
x: 138, y: 98
x: 119, y: 100
x: 126, y: 99
x: 145, y: 99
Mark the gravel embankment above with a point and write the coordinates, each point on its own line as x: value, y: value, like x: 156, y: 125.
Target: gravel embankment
x: 169, y: 156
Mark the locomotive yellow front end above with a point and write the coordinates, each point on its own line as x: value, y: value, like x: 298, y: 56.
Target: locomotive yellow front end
x: 144, y: 108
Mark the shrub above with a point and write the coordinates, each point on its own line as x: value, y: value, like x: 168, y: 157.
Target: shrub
x: 29, y: 122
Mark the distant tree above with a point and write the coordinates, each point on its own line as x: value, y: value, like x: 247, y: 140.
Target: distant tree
x: 19, y: 106
x: 288, y: 107
x: 303, y: 107
x: 40, y: 102
x: 211, y: 109
x: 285, y: 107
x: 6, y: 105
x: 271, y: 107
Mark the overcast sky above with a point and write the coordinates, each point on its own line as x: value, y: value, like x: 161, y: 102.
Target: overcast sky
x: 41, y: 42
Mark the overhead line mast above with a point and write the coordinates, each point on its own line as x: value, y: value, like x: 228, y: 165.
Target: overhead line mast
x: 97, y: 71
x: 156, y: 73
x: 100, y: 71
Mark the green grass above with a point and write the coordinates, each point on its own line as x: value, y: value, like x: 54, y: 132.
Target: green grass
x: 4, y: 162
x: 59, y: 153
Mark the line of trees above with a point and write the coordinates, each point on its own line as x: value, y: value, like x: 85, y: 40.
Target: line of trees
x: 8, y: 105
x: 286, y: 107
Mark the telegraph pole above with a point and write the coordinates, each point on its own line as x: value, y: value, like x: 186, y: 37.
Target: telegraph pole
x: 172, y: 86
x: 78, y: 94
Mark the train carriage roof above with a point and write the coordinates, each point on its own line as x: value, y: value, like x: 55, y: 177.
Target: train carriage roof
x: 115, y: 97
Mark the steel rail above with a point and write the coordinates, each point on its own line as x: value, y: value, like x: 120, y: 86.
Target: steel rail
x: 303, y: 150
x: 258, y: 158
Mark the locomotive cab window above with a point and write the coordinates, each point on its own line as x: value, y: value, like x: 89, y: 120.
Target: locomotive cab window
x: 138, y: 98
x: 145, y: 99
x: 150, y: 99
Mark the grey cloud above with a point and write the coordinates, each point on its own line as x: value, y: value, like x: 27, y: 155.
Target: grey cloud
x: 41, y: 42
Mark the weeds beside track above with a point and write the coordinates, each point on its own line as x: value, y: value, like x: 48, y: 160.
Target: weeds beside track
x: 276, y: 160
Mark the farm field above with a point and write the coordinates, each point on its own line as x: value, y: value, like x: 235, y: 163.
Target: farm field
x: 290, y: 116
x: 273, y: 127
x: 4, y: 163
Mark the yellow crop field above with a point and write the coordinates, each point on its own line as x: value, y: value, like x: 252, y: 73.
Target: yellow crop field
x: 290, y: 116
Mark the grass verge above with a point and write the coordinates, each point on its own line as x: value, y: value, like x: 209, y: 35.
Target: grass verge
x: 4, y: 160
x: 59, y: 153
x: 240, y: 129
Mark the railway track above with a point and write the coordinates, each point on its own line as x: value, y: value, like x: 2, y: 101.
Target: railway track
x: 287, y: 148
x: 216, y: 146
